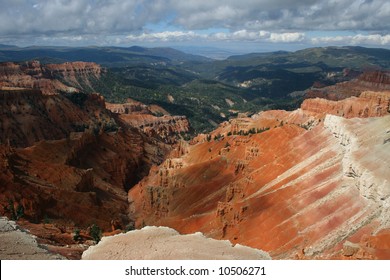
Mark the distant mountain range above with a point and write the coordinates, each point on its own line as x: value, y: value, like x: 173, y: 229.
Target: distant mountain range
x: 107, y: 56
x: 209, y: 91
x: 118, y: 56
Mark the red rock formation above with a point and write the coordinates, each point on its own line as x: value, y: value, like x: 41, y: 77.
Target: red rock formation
x: 132, y: 106
x: 28, y: 116
x: 166, y: 128
x: 368, y: 81
x: 82, y: 179
x: 49, y: 78
x: 311, y: 113
x: 369, y: 104
x: 64, y: 156
x: 288, y: 190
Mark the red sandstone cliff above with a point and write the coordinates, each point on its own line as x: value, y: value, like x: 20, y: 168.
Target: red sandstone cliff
x: 28, y: 116
x: 368, y: 81
x: 168, y: 129
x: 286, y: 182
x: 64, y: 156
x: 309, y: 183
x: 49, y: 78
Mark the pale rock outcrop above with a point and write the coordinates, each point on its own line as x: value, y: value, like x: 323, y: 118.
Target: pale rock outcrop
x: 162, y: 243
x: 16, y: 244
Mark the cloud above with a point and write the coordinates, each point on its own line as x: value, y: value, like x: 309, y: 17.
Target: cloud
x: 112, y: 21
x: 239, y: 36
x: 94, y: 16
x: 165, y: 36
x: 287, y: 37
x: 358, y: 39
x: 26, y: 17
x: 284, y: 15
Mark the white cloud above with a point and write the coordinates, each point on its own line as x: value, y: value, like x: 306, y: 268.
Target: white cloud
x: 239, y: 36
x: 359, y: 39
x: 287, y: 37
x: 276, y: 21
x: 165, y: 36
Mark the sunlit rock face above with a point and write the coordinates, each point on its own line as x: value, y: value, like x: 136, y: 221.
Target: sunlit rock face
x: 49, y: 78
x: 300, y: 188
x: 368, y: 81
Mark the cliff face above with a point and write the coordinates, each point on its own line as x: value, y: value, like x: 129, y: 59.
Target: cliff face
x: 299, y: 189
x: 368, y: 81
x: 135, y: 107
x: 82, y: 178
x: 168, y: 129
x: 311, y: 113
x: 49, y: 78
x: 64, y: 156
x: 28, y: 116
x: 369, y: 104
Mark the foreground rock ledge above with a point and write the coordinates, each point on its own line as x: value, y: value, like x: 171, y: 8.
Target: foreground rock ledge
x: 163, y: 243
x: 18, y: 245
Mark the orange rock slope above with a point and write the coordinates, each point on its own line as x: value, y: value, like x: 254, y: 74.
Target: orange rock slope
x: 295, y: 184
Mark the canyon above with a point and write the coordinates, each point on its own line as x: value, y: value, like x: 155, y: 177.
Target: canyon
x: 299, y: 184
x: 67, y: 160
x: 312, y: 183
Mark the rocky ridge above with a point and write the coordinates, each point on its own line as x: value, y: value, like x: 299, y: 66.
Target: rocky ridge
x: 312, y: 183
x: 367, y: 81
x: 66, y: 160
x: 49, y: 78
x: 295, y: 184
x: 164, y: 127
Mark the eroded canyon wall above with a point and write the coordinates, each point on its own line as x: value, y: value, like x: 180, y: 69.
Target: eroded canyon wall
x: 300, y: 188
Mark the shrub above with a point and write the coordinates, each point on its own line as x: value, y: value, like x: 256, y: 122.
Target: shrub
x: 19, y: 212
x: 15, y: 214
x: 76, y: 235
x: 96, y: 233
x: 130, y: 227
x: 11, y: 209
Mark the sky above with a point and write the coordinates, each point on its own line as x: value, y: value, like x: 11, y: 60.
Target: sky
x: 240, y: 25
